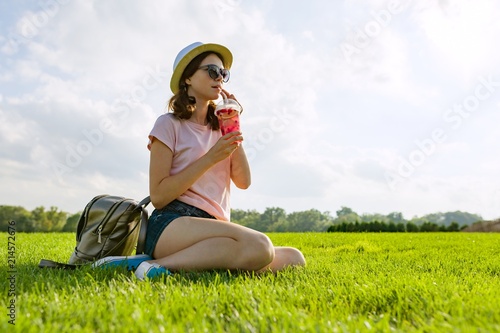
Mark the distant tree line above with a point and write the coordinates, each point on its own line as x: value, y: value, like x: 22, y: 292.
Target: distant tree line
x: 377, y: 226
x: 347, y: 215
x: 38, y: 220
x: 349, y: 221
x: 273, y: 219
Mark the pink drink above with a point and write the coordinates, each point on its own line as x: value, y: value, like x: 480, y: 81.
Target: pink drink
x: 228, y: 112
x: 229, y: 120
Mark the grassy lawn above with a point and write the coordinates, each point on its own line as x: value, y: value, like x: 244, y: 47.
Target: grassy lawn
x: 434, y: 282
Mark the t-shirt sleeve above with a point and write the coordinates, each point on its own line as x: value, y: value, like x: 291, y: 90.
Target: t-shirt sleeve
x: 164, y: 130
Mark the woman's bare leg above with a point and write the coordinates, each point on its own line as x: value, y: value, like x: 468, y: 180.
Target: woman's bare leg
x: 285, y: 257
x: 192, y: 243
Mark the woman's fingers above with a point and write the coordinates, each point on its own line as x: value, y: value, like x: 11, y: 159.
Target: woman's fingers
x: 233, y: 137
x: 231, y: 134
x: 226, y: 145
x: 227, y: 94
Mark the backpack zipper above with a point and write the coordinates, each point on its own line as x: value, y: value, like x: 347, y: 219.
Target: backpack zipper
x: 105, y: 219
x: 99, y: 230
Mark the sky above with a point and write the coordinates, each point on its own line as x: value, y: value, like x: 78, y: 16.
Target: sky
x: 379, y: 106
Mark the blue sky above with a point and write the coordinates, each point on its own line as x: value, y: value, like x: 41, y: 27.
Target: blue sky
x: 380, y: 106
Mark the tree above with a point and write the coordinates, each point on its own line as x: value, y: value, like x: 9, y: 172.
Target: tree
x: 374, y: 217
x: 40, y: 221
x: 395, y: 217
x: 460, y: 218
x: 58, y: 218
x: 71, y: 223
x: 453, y: 227
x: 411, y: 227
x: 271, y: 216
x: 309, y: 220
x: 400, y: 227
x: 21, y: 216
x: 375, y: 226
x: 346, y: 215
x: 364, y: 226
x: 449, y: 217
x: 429, y: 227
x: 344, y: 211
x: 249, y: 218
x: 418, y: 221
x: 237, y: 215
x: 52, y: 220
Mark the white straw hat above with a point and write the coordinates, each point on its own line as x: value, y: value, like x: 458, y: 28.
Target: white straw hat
x: 187, y: 54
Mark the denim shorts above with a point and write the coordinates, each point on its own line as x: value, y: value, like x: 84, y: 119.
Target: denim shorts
x: 161, y: 218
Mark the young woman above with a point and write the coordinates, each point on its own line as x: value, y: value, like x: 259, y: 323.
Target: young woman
x: 191, y: 167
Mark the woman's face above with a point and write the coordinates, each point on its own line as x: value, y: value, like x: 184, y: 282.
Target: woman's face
x: 201, y: 85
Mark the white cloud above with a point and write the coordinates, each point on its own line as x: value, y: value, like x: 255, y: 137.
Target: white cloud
x: 461, y: 34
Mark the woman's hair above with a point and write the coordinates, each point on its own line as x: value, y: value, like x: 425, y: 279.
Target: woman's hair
x: 183, y: 105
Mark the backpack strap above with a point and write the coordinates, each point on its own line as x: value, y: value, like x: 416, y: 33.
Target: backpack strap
x: 45, y: 263
x: 141, y: 242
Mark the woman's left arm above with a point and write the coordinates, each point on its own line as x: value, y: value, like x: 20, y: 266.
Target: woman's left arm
x: 240, y: 169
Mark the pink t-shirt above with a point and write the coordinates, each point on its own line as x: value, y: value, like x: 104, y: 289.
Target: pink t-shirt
x: 190, y: 141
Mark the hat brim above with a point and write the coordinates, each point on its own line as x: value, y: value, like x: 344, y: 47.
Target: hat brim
x: 181, y: 66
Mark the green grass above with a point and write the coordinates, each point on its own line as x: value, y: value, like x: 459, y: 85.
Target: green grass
x: 436, y: 282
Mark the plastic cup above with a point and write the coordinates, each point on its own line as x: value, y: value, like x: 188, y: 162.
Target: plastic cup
x: 228, y: 112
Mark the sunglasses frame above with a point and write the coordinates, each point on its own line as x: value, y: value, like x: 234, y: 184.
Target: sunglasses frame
x: 216, y: 70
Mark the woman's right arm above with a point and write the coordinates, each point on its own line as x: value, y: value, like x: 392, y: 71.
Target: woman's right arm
x: 164, y: 188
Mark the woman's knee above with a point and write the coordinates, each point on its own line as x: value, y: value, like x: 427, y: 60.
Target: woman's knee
x: 257, y: 252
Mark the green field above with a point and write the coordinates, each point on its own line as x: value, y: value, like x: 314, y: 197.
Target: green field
x: 432, y: 282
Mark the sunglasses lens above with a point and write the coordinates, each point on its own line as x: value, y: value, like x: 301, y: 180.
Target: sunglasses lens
x: 225, y: 74
x: 213, y: 72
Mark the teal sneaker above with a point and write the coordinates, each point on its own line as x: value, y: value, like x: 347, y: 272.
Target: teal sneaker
x: 130, y: 262
x: 148, y: 270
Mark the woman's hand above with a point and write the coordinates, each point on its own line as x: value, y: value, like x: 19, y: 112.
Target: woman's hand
x: 225, y: 146
x: 225, y: 94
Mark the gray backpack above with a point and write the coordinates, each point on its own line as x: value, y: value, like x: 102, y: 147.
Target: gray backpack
x: 108, y: 226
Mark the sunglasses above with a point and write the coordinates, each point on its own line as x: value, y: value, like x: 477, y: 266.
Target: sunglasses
x: 215, y: 72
